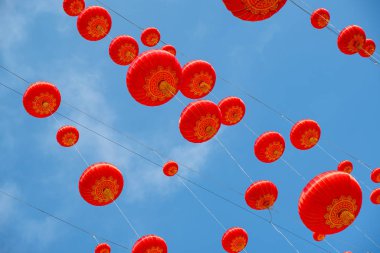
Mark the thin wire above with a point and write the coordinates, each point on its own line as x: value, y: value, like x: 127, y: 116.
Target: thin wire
x: 14, y: 74
x: 91, y: 234
x: 126, y: 219
x: 365, y: 185
x: 327, y: 153
x: 233, y: 158
x: 293, y: 169
x: 96, y: 239
x: 286, y: 239
x: 367, y: 236
x: 251, y: 130
x: 203, y: 205
x: 331, y: 246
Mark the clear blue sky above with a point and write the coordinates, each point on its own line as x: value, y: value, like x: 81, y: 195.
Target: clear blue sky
x: 283, y: 61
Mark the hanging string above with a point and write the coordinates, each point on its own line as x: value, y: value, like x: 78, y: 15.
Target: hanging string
x: 327, y: 153
x: 367, y: 236
x: 233, y: 158
x: 126, y: 219
x: 331, y: 246
x: 203, y: 205
x: 293, y: 169
x: 286, y: 239
x: 96, y: 239
x: 72, y: 225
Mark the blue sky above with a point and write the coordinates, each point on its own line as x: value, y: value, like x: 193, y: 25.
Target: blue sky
x: 283, y: 61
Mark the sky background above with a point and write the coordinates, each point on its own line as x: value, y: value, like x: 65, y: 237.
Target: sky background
x: 283, y: 61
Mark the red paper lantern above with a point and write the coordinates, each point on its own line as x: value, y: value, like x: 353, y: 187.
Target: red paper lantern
x: 170, y: 168
x: 330, y: 202
x: 254, y: 10
x: 232, y: 109
x: 101, y: 184
x: 67, y: 136
x: 269, y: 147
x: 198, y: 79
x: 351, y: 39
x: 41, y: 99
x: 150, y: 244
x: 94, y: 23
x: 73, y: 7
x: 261, y: 195
x: 320, y: 18
x: 123, y: 50
x: 234, y: 240
x: 200, y: 121
x: 154, y: 77
x: 150, y: 36
x: 305, y: 134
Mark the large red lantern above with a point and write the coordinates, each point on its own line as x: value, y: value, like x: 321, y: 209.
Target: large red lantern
x: 198, y: 79
x: 150, y: 244
x: 261, y: 195
x: 320, y: 18
x: 200, y: 121
x: 101, y: 184
x: 67, y: 136
x: 254, y: 10
x: 234, y: 240
x: 153, y: 78
x: 123, y: 50
x: 305, y: 134
x: 41, y: 99
x: 94, y: 23
x: 150, y: 36
x: 232, y: 109
x: 330, y: 202
x: 269, y: 147
x: 351, y: 39
x: 73, y: 7
x: 103, y: 248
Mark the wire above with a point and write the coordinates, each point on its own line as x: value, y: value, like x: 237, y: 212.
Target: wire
x: 72, y: 225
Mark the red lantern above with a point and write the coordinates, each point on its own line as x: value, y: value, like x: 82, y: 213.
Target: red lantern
x: 150, y: 244
x: 94, y: 23
x: 123, y: 50
x: 153, y: 78
x: 198, y: 79
x: 170, y: 168
x: 41, y: 99
x: 232, y: 109
x: 351, y: 39
x: 254, y: 10
x: 368, y: 48
x: 375, y: 196
x: 150, y: 37
x: 200, y: 121
x: 67, y: 136
x: 73, y: 7
x: 330, y: 202
x: 375, y: 175
x: 345, y: 166
x: 305, y: 134
x: 234, y: 240
x: 261, y: 195
x: 101, y: 184
x: 103, y: 248
x: 320, y: 18
x: 269, y: 147
x: 170, y: 49
x: 318, y: 237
